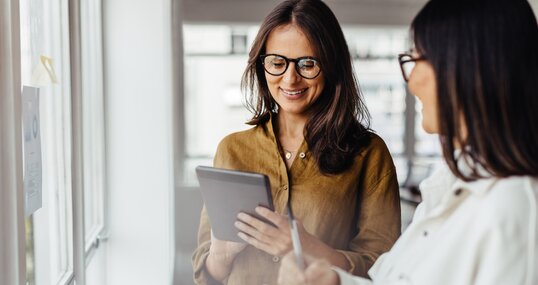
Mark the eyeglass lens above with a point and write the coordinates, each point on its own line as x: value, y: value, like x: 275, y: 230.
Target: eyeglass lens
x: 408, y: 68
x: 277, y: 65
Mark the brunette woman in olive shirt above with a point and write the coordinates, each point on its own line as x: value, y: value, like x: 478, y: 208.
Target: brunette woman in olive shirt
x: 311, y: 138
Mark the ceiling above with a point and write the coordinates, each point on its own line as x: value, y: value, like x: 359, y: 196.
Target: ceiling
x: 359, y: 12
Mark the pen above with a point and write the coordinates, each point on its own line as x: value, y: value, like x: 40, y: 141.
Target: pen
x: 297, y: 249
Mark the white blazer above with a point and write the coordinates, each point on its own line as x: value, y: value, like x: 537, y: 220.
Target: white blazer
x: 481, y: 232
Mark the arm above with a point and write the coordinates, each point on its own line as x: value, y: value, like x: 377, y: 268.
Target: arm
x: 212, y: 260
x: 379, y: 224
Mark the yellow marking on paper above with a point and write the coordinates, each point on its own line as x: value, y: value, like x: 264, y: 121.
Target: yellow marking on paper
x: 44, y: 74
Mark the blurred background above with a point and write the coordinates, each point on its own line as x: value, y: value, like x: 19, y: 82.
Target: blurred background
x: 136, y: 94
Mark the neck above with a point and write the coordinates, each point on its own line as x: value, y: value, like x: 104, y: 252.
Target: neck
x: 290, y: 131
x: 291, y: 126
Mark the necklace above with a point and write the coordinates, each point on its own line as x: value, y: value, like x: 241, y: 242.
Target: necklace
x: 288, y: 154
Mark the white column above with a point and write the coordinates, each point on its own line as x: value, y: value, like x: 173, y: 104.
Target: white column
x: 139, y: 137
x: 12, y: 234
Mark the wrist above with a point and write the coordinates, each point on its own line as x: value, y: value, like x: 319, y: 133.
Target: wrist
x: 218, y: 265
x: 317, y: 248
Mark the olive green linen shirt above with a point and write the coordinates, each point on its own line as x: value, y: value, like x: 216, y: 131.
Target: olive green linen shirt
x: 356, y: 212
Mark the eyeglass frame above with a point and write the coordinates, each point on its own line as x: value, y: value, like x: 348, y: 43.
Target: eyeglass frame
x: 294, y: 60
x: 411, y: 59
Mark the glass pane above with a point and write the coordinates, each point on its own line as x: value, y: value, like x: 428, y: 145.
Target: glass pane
x: 93, y: 120
x: 44, y: 33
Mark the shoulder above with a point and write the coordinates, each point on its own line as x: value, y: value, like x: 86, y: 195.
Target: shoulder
x: 240, y: 141
x: 237, y: 148
x: 375, y: 161
x: 510, y: 201
x: 237, y: 139
x: 375, y: 153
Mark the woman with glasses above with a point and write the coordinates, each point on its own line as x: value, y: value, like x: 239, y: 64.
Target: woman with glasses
x: 474, y: 67
x: 311, y: 138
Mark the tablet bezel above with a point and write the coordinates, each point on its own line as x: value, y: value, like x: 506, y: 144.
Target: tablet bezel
x: 226, y: 193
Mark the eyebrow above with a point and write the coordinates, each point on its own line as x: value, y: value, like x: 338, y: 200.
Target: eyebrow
x: 302, y: 56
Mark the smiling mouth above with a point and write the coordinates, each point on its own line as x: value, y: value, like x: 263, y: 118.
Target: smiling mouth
x: 294, y: 92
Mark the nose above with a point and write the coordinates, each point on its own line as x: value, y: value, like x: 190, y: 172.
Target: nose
x: 291, y: 75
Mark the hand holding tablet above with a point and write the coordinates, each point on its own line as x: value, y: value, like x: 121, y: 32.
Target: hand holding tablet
x: 226, y: 193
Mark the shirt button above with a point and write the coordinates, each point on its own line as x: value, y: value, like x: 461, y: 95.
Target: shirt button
x: 457, y: 192
x: 285, y: 188
x: 302, y: 155
x: 425, y: 233
x: 276, y: 259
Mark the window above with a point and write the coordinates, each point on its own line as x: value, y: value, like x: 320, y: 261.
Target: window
x: 46, y: 63
x: 43, y: 35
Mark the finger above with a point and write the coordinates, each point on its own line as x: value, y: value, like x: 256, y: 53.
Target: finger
x: 315, y: 270
x: 289, y: 273
x: 245, y: 228
x: 256, y: 243
x: 320, y: 271
x: 275, y: 218
x: 260, y: 226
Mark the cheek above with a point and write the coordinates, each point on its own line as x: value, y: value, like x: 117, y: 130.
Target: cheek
x: 319, y: 86
x: 430, y: 116
x: 272, y: 83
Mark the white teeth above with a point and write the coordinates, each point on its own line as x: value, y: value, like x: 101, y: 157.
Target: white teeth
x: 293, y: 92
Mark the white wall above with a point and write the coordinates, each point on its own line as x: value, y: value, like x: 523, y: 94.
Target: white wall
x: 138, y: 100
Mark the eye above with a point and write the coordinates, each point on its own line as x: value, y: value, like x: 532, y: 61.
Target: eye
x: 278, y: 62
x: 307, y: 63
x: 274, y: 62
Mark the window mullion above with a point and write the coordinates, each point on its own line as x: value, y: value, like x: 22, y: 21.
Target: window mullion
x: 77, y: 159
x: 12, y: 239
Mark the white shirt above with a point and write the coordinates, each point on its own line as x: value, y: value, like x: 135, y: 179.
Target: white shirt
x: 481, y: 232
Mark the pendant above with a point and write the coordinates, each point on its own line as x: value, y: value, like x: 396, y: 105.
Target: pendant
x: 288, y: 155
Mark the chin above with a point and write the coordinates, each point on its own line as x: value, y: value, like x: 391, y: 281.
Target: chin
x: 292, y: 110
x: 430, y: 129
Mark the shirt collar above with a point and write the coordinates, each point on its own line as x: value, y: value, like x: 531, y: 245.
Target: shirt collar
x: 444, y: 180
x: 479, y: 186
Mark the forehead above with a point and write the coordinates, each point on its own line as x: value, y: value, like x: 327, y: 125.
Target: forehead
x: 290, y: 41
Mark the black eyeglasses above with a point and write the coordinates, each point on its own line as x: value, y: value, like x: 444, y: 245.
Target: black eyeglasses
x: 407, y: 64
x: 275, y: 64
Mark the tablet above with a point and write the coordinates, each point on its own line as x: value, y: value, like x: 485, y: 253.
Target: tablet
x: 226, y: 193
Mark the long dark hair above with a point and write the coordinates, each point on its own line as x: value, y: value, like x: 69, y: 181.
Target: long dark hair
x: 485, y: 57
x: 339, y: 121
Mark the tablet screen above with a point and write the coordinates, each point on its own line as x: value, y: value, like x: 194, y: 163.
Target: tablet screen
x: 226, y: 193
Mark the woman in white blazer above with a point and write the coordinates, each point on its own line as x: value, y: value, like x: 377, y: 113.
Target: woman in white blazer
x: 474, y: 67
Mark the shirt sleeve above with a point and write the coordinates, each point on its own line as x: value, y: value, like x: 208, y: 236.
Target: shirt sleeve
x: 201, y: 276
x: 199, y: 256
x: 379, y: 223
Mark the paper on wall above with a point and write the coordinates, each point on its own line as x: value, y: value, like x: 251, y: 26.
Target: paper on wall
x: 32, y: 164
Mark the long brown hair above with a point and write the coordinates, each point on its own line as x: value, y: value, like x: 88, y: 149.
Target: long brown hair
x: 485, y: 57
x: 339, y: 120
